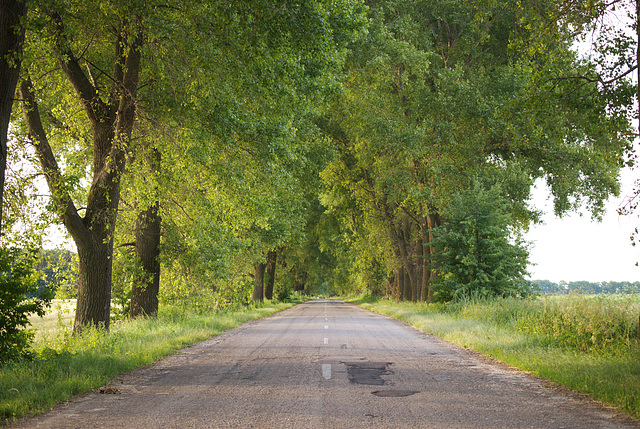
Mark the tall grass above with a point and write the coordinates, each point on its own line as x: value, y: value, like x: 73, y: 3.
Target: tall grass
x: 586, y: 343
x: 595, y: 323
x: 65, y: 364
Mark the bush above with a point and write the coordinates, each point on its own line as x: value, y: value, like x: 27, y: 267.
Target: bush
x: 477, y: 254
x: 18, y: 299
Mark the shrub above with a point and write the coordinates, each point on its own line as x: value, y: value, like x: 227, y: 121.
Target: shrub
x: 477, y: 254
x: 18, y: 299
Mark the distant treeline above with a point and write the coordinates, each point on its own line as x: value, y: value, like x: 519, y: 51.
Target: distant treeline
x: 583, y: 286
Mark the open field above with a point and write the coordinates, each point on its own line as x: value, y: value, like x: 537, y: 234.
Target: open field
x: 60, y: 316
x: 588, y: 344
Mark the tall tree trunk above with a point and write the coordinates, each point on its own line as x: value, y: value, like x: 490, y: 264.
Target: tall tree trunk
x: 11, y: 43
x: 433, y: 220
x: 407, y: 283
x: 144, y: 293
x: 94, y: 283
x: 270, y: 274
x: 425, y: 292
x: 400, y: 289
x: 389, y: 287
x: 419, y: 269
x: 258, y: 282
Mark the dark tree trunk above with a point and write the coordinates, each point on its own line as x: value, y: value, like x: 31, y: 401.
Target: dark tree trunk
x: 144, y: 294
x: 11, y: 42
x: 419, y: 270
x: 258, y: 282
x: 94, y: 283
x: 270, y: 274
x: 425, y: 292
x: 407, y: 284
x: 433, y: 220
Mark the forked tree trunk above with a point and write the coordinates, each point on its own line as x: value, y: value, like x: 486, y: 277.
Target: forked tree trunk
x: 111, y: 124
x: 144, y: 293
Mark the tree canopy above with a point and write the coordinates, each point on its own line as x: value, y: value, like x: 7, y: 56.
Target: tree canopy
x: 230, y: 148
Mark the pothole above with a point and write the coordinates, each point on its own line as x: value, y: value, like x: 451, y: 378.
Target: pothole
x: 394, y: 393
x: 367, y: 372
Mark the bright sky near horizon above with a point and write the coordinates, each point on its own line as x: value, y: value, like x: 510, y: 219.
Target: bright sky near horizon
x: 577, y: 248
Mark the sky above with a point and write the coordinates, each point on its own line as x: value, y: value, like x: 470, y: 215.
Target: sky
x: 577, y: 248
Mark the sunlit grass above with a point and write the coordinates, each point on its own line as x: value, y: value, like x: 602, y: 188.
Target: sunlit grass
x: 504, y: 330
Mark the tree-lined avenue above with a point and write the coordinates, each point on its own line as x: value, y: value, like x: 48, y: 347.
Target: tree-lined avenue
x: 328, y: 364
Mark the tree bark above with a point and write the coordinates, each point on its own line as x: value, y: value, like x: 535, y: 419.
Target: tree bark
x: 258, y: 282
x: 426, y: 291
x: 389, y: 287
x: 407, y: 283
x: 270, y: 274
x: 144, y: 293
x: 433, y: 220
x: 11, y: 43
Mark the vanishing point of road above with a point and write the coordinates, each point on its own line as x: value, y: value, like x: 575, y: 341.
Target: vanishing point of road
x: 328, y: 364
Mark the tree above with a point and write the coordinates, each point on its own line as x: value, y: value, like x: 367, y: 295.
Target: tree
x: 245, y: 65
x: 110, y: 114
x: 12, y: 12
x: 477, y: 252
x: 439, y: 97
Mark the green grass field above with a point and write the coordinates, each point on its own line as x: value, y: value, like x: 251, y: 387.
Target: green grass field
x: 586, y: 343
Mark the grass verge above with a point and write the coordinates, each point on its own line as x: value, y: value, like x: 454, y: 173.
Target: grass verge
x: 610, y: 375
x: 65, y: 365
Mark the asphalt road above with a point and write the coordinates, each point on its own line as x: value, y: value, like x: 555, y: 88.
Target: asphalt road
x: 328, y: 364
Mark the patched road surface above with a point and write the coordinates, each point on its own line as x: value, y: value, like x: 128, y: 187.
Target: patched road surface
x: 328, y: 364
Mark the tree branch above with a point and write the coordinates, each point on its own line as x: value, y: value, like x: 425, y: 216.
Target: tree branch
x: 88, y: 93
x: 50, y: 168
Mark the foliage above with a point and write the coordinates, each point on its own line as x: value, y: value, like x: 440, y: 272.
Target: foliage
x: 477, y: 253
x: 18, y: 299
x: 438, y: 95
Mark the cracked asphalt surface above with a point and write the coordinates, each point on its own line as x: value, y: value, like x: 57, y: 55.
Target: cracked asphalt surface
x: 328, y: 364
